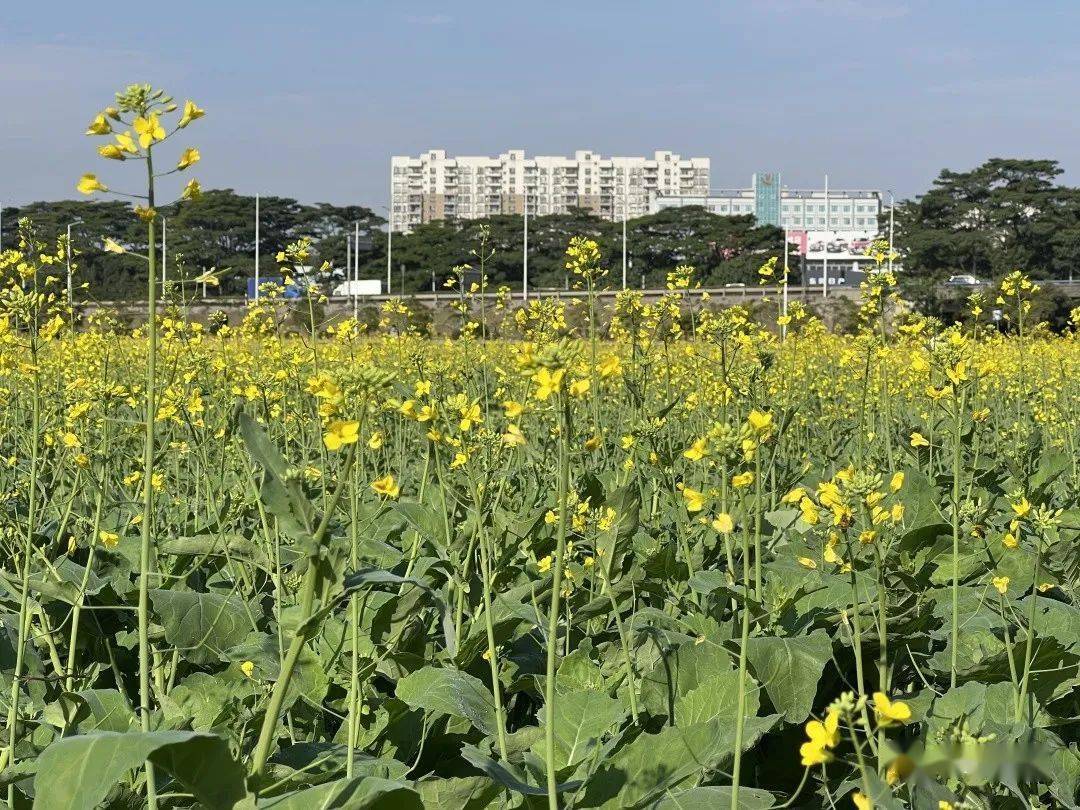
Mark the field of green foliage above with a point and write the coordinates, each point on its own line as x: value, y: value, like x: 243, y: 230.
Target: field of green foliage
x: 686, y: 560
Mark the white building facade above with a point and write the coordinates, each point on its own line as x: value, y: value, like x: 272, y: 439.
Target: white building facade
x: 435, y: 187
x: 791, y: 209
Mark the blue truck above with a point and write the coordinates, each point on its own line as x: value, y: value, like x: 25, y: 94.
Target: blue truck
x: 291, y: 291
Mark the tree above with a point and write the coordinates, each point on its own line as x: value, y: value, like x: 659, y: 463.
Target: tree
x: 216, y: 230
x: 1003, y: 215
x: 722, y: 249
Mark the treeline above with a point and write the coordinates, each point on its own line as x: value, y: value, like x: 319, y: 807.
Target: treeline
x: 1004, y: 215
x: 721, y: 249
x: 218, y: 230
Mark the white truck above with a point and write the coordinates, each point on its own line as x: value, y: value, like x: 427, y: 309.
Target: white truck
x: 359, y: 287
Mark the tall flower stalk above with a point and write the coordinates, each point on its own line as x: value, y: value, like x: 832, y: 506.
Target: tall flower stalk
x: 141, y: 108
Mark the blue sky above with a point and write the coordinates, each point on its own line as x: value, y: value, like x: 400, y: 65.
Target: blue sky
x: 310, y: 99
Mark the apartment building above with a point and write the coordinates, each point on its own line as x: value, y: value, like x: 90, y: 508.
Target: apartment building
x: 434, y: 186
x: 791, y: 209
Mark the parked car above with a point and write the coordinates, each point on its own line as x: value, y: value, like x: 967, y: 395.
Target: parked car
x: 964, y: 280
x: 816, y: 247
x: 836, y: 246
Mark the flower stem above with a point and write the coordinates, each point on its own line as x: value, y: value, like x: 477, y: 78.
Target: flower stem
x: 553, y: 613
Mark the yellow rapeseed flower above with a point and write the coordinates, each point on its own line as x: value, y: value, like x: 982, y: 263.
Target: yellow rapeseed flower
x: 890, y: 712
x: 723, y: 523
x: 149, y: 129
x: 89, y: 183
x: 340, y: 433
x: 760, y: 421
x: 386, y: 486
x: 548, y: 382
x: 822, y: 736
x: 698, y: 450
x: 191, y: 113
x: 742, y: 480
x: 189, y: 157
x: 695, y: 501
x: 99, y: 126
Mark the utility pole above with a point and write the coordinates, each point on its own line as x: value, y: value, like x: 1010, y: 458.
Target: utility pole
x: 256, y: 247
x: 525, y: 250
x: 625, y: 203
x: 825, y: 260
x: 68, y: 250
x: 356, y: 269
x: 390, y: 234
x: 164, y: 258
x: 892, y: 205
x: 783, y: 326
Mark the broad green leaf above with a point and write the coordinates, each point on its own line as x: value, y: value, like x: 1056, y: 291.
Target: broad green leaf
x: 789, y: 669
x: 683, y: 669
x: 577, y: 672
x: 261, y: 447
x: 365, y: 793
x: 76, y: 773
x: 458, y: 793
x: 450, y: 691
x: 581, y: 720
x: 653, y: 764
x: 232, y: 546
x: 715, y: 796
x: 209, y: 700
x: 716, y: 697
x: 307, y: 763
x: 201, y: 625
x: 109, y: 711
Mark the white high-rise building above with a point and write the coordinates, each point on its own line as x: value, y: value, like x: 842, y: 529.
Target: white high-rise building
x: 434, y: 186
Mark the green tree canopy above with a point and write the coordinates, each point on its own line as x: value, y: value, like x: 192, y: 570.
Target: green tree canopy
x: 1004, y: 215
x: 218, y: 230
